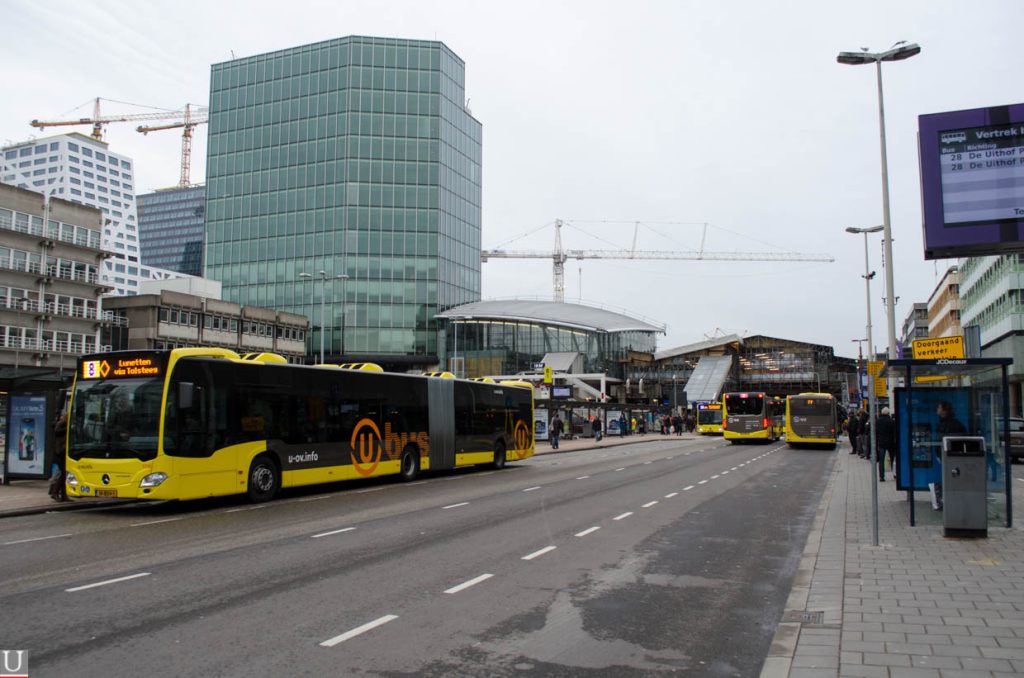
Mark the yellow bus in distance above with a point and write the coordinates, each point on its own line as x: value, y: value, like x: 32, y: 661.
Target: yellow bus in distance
x: 709, y: 418
x: 748, y: 416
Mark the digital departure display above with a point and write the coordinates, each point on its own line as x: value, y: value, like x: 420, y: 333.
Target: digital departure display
x: 121, y: 367
x: 972, y: 181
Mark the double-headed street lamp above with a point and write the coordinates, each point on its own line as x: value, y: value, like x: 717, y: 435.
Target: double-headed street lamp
x: 898, y: 52
x: 872, y: 405
x: 323, y: 285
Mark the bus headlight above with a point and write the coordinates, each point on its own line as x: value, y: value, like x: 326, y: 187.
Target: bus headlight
x: 71, y: 479
x: 153, y: 479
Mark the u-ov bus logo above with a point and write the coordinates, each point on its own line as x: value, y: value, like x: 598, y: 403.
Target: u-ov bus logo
x: 367, y: 446
x: 522, y: 435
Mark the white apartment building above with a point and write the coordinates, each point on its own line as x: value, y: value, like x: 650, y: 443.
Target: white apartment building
x: 81, y: 169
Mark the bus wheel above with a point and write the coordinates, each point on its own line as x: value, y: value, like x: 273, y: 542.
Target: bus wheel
x: 264, y: 480
x: 499, y: 455
x: 410, y: 464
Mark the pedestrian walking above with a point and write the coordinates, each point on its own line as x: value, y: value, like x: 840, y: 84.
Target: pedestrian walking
x: 58, y: 490
x: 555, y: 431
x: 853, y: 431
x: 885, y: 441
x: 677, y: 423
x: 597, y: 429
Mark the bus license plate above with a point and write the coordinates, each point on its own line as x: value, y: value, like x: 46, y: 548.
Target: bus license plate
x: 106, y: 493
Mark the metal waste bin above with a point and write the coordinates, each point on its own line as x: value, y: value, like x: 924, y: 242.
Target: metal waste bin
x: 964, y: 489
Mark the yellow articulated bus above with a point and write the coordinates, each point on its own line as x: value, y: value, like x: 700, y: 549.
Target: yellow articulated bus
x: 748, y: 416
x: 202, y: 422
x: 709, y: 418
x: 811, y: 420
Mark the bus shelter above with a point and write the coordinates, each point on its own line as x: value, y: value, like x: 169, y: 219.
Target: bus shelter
x: 961, y: 396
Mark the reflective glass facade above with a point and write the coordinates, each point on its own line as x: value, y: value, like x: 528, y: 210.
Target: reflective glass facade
x: 171, y: 225
x: 353, y: 156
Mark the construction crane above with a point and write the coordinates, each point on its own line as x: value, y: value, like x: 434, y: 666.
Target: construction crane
x: 188, y: 118
x: 559, y: 256
x: 188, y: 123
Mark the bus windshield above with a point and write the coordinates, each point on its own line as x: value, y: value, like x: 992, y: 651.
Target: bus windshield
x: 753, y: 404
x: 709, y: 416
x: 115, y: 419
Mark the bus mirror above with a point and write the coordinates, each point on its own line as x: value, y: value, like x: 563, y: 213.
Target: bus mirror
x: 186, y: 395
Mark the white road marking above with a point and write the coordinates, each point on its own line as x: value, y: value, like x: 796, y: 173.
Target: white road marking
x: 587, y: 531
x: 716, y: 476
x: 25, y: 541
x: 246, y: 508
x: 359, y: 630
x: 417, y: 482
x: 485, y: 473
x: 531, y: 489
x: 670, y: 495
x: 109, y: 581
x: 582, y: 477
x: 688, y: 487
x: 370, y: 489
x: 648, y: 462
x: 328, y: 534
x: 624, y: 515
x: 537, y: 554
x: 650, y: 504
x: 734, y: 468
x: 322, y: 496
x: 701, y: 482
x: 725, y: 473
x: 466, y: 584
x: 621, y: 469
x: 461, y: 503
x: 154, y: 522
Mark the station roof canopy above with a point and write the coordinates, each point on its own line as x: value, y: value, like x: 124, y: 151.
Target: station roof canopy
x: 577, y: 316
x: 699, y: 346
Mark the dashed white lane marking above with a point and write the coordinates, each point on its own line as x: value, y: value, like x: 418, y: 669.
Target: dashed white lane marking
x: 670, y: 495
x: 650, y: 504
x: 587, y: 531
x: 531, y: 489
x: 734, y: 468
x: 621, y: 469
x: 466, y: 584
x: 688, y: 487
x: 582, y: 477
x: 648, y: 462
x: 359, y: 630
x: 701, y: 482
x: 725, y: 473
x: 25, y: 541
x: 416, y: 482
x: 328, y: 534
x: 373, y: 489
x: 322, y: 496
x: 154, y: 522
x: 451, y: 506
x: 109, y: 581
x: 246, y: 508
x: 624, y: 515
x: 716, y: 476
x: 537, y: 554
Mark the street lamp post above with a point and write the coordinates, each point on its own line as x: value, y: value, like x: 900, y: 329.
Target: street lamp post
x: 872, y: 404
x: 323, y: 286
x: 898, y: 52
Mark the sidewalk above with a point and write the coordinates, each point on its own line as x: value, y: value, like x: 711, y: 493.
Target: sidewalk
x: 26, y: 497
x: 919, y: 605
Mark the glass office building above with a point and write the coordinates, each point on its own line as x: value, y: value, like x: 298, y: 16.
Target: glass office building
x: 171, y: 223
x: 353, y: 157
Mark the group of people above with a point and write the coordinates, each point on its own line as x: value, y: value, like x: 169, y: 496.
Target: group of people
x: 858, y: 427
x: 666, y: 424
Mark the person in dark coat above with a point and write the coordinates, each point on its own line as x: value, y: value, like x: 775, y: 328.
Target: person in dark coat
x: 555, y: 431
x: 885, y: 441
x: 58, y: 490
x: 853, y: 430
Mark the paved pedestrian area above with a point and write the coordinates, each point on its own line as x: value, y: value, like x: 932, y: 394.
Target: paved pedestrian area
x: 919, y: 605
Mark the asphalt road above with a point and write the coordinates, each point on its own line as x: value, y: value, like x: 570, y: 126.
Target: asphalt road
x: 664, y: 556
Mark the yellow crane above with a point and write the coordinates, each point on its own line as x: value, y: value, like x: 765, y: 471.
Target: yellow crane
x: 559, y: 256
x: 187, y: 118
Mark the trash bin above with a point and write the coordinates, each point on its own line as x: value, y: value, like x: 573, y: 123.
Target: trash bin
x: 965, y: 505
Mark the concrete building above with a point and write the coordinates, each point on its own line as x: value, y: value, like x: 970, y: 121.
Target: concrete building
x: 81, y: 169
x: 992, y: 297
x: 356, y: 157
x: 915, y: 326
x: 50, y: 287
x: 172, y: 222
x: 175, y: 314
x: 944, y: 306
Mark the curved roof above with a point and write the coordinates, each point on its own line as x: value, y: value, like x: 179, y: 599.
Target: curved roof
x: 550, y: 313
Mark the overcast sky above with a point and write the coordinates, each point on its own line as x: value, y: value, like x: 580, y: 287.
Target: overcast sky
x: 671, y: 114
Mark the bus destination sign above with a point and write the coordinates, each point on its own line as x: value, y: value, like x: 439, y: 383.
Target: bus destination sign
x: 120, y: 368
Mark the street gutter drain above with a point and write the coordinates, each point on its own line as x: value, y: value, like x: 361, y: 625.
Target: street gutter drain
x: 804, y: 616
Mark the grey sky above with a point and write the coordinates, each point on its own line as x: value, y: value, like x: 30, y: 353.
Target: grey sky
x: 733, y: 114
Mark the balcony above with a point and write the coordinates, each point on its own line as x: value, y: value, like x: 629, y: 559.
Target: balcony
x: 87, y: 238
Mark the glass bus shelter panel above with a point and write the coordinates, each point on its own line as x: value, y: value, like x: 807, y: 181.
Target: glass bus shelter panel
x: 972, y: 395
